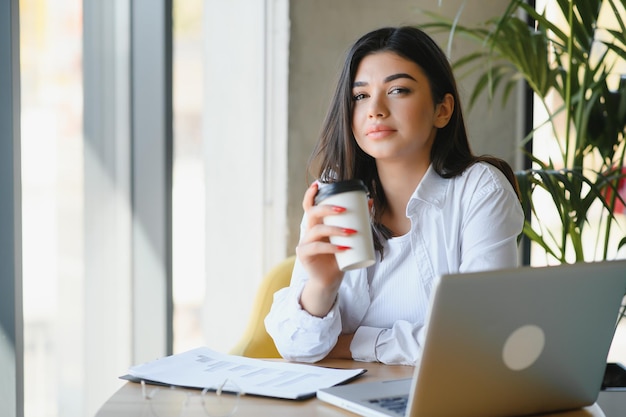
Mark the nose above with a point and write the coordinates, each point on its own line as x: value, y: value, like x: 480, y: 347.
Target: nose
x: 378, y: 108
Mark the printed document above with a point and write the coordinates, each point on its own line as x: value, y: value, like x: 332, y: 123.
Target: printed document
x: 204, y: 368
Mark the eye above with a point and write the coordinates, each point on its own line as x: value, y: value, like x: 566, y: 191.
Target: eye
x: 399, y: 90
x: 359, y: 96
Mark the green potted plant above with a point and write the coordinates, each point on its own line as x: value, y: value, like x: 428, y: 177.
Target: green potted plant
x: 574, y: 64
x: 569, y: 65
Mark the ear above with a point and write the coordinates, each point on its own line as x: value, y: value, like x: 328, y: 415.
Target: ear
x: 444, y: 110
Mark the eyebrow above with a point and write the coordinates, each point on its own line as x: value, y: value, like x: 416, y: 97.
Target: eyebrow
x: 387, y: 79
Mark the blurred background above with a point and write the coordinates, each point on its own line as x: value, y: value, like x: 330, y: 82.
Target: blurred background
x: 229, y: 226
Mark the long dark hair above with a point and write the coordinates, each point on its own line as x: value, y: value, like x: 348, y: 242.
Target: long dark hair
x: 337, y: 156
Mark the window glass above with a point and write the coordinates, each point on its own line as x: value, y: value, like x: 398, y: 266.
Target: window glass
x: 188, y: 207
x: 51, y: 128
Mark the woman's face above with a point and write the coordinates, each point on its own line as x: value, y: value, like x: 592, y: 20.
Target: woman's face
x: 395, y: 118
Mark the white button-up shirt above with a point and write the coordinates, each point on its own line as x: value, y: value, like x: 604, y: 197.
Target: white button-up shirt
x: 467, y: 223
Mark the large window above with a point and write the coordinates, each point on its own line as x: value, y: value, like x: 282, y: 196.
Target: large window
x: 55, y: 229
x: 100, y: 290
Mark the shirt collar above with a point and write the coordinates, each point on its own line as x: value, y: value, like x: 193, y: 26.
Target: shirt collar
x: 431, y: 189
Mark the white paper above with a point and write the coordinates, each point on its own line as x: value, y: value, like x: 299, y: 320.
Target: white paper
x: 205, y: 368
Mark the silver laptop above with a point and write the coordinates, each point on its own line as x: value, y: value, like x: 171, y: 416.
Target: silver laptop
x: 505, y: 343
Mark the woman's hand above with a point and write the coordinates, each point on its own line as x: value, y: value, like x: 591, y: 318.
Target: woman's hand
x: 317, y: 255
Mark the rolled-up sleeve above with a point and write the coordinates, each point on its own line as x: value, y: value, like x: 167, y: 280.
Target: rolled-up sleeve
x: 400, y: 345
x: 364, y: 342
x: 298, y: 335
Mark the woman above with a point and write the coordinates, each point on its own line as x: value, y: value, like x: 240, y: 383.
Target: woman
x: 395, y: 122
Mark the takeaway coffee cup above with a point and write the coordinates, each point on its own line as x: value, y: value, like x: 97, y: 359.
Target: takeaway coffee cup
x: 352, y: 195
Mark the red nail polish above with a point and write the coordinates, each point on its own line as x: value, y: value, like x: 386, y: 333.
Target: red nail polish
x: 338, y: 209
x: 343, y: 247
x: 348, y: 231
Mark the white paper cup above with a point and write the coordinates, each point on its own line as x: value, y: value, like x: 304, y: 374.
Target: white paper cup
x: 351, y: 195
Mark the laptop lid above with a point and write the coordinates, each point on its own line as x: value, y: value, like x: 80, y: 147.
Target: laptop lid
x: 509, y: 342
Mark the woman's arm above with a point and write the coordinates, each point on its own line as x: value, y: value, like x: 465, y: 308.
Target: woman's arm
x: 317, y: 255
x: 492, y: 222
x: 304, y: 320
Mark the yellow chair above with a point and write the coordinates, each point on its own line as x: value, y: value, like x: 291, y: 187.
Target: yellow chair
x: 255, y: 342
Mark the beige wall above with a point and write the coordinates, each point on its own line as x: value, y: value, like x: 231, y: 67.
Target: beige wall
x: 321, y: 32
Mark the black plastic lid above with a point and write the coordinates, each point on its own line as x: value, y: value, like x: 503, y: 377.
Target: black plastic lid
x: 339, y: 187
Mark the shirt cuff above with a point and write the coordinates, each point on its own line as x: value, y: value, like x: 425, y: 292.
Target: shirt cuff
x: 303, y: 317
x: 363, y: 345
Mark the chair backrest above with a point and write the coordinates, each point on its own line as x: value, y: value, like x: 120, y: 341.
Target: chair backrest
x: 255, y: 342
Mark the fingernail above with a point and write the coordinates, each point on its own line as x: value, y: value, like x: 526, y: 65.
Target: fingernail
x: 343, y: 247
x: 348, y: 231
x: 338, y: 209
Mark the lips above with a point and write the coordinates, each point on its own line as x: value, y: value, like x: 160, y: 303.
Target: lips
x: 376, y: 131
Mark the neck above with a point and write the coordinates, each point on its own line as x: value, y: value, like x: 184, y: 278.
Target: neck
x: 399, y: 182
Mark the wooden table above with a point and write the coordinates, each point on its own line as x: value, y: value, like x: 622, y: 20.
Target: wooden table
x: 128, y: 400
